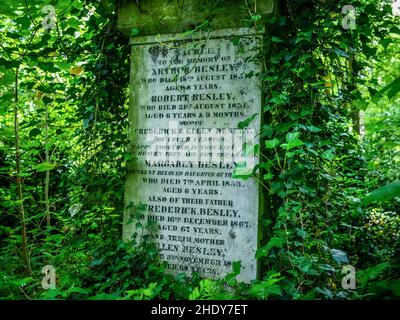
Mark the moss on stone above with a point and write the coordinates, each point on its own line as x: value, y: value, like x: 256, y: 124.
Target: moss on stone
x: 160, y: 16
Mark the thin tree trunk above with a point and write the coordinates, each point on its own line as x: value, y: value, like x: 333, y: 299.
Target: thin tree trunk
x: 18, y: 178
x: 355, y: 117
x: 47, y: 182
x: 355, y: 112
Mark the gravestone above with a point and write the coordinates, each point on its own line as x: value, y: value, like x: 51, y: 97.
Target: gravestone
x: 195, y: 108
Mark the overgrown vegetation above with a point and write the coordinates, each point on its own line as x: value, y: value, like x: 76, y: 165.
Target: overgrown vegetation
x: 331, y: 136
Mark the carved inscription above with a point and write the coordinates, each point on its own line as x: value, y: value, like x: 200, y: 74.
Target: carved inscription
x: 187, y: 102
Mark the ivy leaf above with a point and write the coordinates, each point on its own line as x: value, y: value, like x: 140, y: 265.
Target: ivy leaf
x: 245, y: 123
x: 236, y: 267
x: 292, y: 140
x: 292, y: 136
x: 275, y: 242
x: 267, y: 287
x: 304, y: 36
x: 268, y: 176
x: 328, y: 155
x: 242, y: 171
x: 270, y: 144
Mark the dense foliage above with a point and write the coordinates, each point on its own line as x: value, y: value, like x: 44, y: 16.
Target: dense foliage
x: 331, y: 130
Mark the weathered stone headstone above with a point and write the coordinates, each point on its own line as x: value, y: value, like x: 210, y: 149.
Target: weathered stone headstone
x: 191, y: 96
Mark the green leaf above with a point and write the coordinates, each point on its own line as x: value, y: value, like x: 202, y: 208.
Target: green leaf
x: 47, y: 66
x: 195, y: 294
x: 44, y: 166
x: 47, y: 100
x: 8, y: 64
x: 313, y: 128
x: 22, y: 282
x: 236, y: 267
x: 7, y: 77
x: 268, y: 176
x: 339, y: 256
x: 304, y: 36
x: 392, y: 88
x: 395, y: 286
x: 34, y: 132
x: 134, y: 32
x: 267, y: 287
x: 328, y: 155
x: 245, y: 123
x: 242, y: 171
x: 276, y: 242
x: 24, y: 21
x: 292, y: 136
x: 51, y: 294
x: 276, y: 40
x: 270, y: 144
x: 371, y: 273
x: 78, y: 290
x: 292, y: 140
x: 6, y: 132
x: 385, y: 193
x: 103, y: 296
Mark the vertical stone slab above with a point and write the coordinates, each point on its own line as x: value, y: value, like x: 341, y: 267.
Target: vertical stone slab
x: 189, y: 95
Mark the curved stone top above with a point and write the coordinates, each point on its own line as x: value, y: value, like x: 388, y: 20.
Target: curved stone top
x: 150, y: 17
